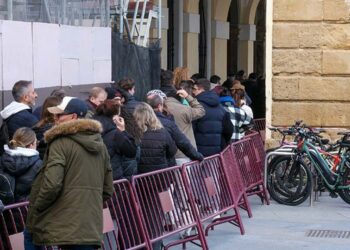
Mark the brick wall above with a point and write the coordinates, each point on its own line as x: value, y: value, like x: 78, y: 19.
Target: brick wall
x: 311, y: 62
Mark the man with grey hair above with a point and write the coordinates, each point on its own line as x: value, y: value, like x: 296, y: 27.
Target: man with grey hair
x: 19, y: 112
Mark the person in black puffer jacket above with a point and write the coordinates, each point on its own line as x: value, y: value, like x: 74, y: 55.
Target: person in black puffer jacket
x: 157, y: 146
x: 157, y: 103
x: 214, y: 130
x: 21, y: 163
x: 121, y: 146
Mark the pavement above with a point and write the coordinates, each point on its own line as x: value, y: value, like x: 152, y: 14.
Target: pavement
x: 284, y: 227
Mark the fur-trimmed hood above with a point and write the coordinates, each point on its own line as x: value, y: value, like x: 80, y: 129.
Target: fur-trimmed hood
x: 86, y: 132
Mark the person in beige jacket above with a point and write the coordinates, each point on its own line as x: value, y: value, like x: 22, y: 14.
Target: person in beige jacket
x: 183, y: 114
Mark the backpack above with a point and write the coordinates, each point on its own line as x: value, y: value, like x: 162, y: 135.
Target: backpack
x: 4, y: 136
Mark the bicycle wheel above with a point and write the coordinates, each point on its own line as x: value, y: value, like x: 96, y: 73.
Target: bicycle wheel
x: 289, y: 181
x: 345, y: 193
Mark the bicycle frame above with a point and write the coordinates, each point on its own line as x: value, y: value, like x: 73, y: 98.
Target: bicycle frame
x: 323, y: 168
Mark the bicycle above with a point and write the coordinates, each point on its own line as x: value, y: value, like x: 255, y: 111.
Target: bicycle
x: 290, y: 179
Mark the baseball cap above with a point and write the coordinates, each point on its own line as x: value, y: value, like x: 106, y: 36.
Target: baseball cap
x: 70, y: 105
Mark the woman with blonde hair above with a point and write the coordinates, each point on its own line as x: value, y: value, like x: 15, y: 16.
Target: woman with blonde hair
x: 20, y: 163
x: 156, y: 144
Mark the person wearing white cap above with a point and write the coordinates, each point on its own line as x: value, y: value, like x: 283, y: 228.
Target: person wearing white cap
x: 67, y: 196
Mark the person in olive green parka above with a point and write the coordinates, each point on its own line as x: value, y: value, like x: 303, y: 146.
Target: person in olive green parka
x: 66, y: 199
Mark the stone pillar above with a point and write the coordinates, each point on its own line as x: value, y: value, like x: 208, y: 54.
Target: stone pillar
x: 220, y: 35
x: 246, y: 38
x: 220, y: 31
x: 191, y: 29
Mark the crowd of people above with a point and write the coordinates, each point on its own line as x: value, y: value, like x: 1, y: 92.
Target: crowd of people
x: 64, y: 156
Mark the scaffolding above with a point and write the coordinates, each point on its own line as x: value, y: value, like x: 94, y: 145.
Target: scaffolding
x: 135, y: 19
x: 132, y: 19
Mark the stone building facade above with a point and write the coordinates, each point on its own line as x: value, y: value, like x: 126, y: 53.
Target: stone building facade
x: 310, y: 62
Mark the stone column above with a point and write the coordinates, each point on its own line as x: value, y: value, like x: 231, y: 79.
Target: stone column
x: 220, y: 35
x: 246, y: 39
x: 220, y: 32
x: 191, y: 29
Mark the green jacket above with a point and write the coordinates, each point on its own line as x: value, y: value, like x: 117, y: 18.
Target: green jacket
x: 67, y: 196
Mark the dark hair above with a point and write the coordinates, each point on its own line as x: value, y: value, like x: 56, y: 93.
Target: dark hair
x: 154, y: 100
x: 59, y: 93
x: 197, y: 76
x: 126, y: 83
x: 228, y: 83
x: 166, y: 77
x: 187, y: 85
x: 108, y: 108
x: 203, y: 83
x: 19, y: 89
x: 215, y: 79
x: 46, y: 116
x: 225, y: 92
x: 130, y: 124
x: 253, y: 76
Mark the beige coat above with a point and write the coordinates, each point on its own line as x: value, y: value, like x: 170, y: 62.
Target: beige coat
x: 184, y: 115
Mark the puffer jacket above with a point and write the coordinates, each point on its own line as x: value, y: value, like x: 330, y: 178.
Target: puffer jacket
x: 157, y: 147
x: 67, y: 196
x: 121, y: 148
x: 20, y: 165
x: 18, y: 115
x: 39, y: 131
x: 214, y: 130
x: 179, y: 138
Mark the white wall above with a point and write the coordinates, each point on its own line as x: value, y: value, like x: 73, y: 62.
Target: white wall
x: 53, y: 55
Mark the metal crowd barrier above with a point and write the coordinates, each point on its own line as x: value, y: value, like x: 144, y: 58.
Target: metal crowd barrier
x: 163, y: 203
x: 235, y: 180
x: 260, y: 126
x: 167, y: 206
x: 128, y: 231
x: 259, y: 148
x: 211, y: 190
x: 12, y: 223
x: 251, y: 171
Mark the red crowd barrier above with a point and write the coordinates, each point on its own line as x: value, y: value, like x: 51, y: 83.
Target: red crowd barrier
x: 259, y: 148
x: 166, y: 206
x: 128, y: 232
x: 235, y: 180
x: 210, y: 188
x: 12, y: 223
x: 163, y: 203
x: 251, y: 171
x: 260, y: 126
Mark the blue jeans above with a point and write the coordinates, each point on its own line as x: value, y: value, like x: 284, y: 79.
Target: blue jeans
x: 28, y: 241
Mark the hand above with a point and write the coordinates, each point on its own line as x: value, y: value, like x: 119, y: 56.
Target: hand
x: 182, y: 93
x: 119, y: 122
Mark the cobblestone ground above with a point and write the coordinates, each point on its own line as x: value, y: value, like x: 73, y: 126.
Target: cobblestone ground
x: 284, y: 227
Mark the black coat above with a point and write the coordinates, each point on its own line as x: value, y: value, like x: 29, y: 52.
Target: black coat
x: 121, y: 148
x: 39, y: 131
x: 157, y: 147
x: 21, y: 171
x: 23, y: 118
x: 179, y: 138
x: 214, y: 130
